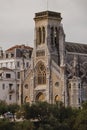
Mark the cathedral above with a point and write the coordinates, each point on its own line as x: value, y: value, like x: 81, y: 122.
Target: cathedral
x: 58, y: 70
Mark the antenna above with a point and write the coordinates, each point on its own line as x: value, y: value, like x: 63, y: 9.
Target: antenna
x: 47, y: 4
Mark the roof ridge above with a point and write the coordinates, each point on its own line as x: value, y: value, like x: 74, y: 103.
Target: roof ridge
x: 19, y: 46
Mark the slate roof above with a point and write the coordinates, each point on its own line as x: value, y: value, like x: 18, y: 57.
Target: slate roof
x: 76, y: 47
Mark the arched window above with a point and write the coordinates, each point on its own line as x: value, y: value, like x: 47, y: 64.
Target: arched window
x: 55, y: 36
x: 27, y: 100
x: 52, y: 35
x: 57, y: 98
x: 40, y: 97
x: 41, y: 74
x: 40, y: 38
x: 43, y: 30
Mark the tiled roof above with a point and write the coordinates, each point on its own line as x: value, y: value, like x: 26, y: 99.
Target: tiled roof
x: 76, y: 47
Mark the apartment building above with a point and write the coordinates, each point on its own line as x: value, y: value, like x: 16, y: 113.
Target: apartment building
x: 12, y: 62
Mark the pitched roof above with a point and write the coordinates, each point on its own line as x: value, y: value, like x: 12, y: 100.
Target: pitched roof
x: 76, y: 47
x: 5, y: 68
x: 19, y: 46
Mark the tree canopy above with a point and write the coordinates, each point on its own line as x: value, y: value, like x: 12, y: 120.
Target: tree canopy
x: 44, y: 116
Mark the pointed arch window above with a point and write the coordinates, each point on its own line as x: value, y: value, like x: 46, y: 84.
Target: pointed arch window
x: 40, y: 37
x: 40, y: 97
x: 27, y: 100
x: 55, y: 35
x: 57, y: 98
x: 43, y: 30
x: 41, y: 74
x: 52, y: 35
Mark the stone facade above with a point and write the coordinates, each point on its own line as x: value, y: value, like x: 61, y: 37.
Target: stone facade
x: 58, y: 69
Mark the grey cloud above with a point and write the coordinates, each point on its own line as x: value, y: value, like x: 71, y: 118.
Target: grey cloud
x: 17, y: 25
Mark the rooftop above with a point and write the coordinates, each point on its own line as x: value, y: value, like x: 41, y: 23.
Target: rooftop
x: 76, y: 47
x: 19, y: 46
x: 5, y: 69
x: 48, y: 14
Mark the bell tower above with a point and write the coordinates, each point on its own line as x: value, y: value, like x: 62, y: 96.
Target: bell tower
x: 47, y: 33
x: 48, y: 55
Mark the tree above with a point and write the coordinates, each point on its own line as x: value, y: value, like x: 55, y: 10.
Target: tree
x: 6, y: 125
x: 25, y: 125
x: 13, y: 108
x: 84, y: 105
x: 3, y: 107
x: 25, y: 111
x: 81, y: 120
x: 40, y: 111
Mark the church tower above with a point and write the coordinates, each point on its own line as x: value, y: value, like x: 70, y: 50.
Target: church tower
x: 48, y: 57
x: 45, y: 81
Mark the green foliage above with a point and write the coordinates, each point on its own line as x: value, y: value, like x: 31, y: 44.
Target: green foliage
x: 84, y: 105
x: 25, y: 125
x: 40, y: 111
x: 44, y: 116
x: 25, y: 111
x: 81, y: 120
x: 13, y: 108
x: 3, y: 107
x: 6, y: 125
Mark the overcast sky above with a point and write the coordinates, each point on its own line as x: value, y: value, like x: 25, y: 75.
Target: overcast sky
x: 17, y: 25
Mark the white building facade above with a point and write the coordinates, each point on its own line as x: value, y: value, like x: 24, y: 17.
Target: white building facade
x: 12, y: 61
x: 8, y: 85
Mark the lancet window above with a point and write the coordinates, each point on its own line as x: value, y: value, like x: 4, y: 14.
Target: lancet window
x: 40, y: 97
x: 40, y: 36
x: 43, y: 30
x: 55, y: 35
x: 41, y: 74
x: 52, y: 35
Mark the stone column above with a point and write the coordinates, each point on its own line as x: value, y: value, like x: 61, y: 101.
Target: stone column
x: 47, y: 89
